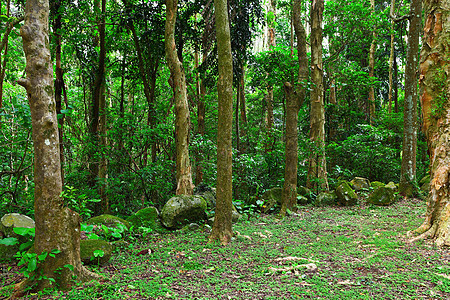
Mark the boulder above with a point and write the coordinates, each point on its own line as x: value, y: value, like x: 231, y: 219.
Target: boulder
x: 346, y: 196
x: 392, y: 186
x: 7, y: 252
x: 302, y: 200
x: 207, y: 193
x: 424, y: 184
x: 235, y: 216
x: 183, y: 209
x: 9, y: 221
x: 108, y: 221
x: 359, y: 183
x: 382, y: 195
x: 306, y: 193
x: 325, y: 199
x: 376, y: 184
x: 271, y: 198
x: 87, y: 248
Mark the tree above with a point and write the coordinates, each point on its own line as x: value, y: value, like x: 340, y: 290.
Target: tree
x: 372, y: 69
x: 317, y: 171
x: 434, y: 81
x: 184, y: 174
x: 222, y: 227
x: 408, y: 170
x: 57, y: 227
x: 294, y: 99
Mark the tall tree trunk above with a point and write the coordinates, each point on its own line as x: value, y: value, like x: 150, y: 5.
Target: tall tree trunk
x: 184, y: 176
x: 200, y: 126
x: 57, y: 227
x: 317, y: 172
x: 372, y: 70
x: 435, y: 98
x: 269, y: 95
x: 391, y: 58
x: 222, y: 227
x: 3, y: 61
x: 98, y: 168
x: 294, y: 99
x: 408, y: 170
x: 243, y: 113
x: 395, y: 82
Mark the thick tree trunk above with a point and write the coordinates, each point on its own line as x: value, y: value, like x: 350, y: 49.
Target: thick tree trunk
x: 222, y: 228
x: 184, y: 175
x: 294, y: 99
x: 57, y: 227
x: 435, y: 98
x: 408, y: 170
x: 269, y: 95
x: 317, y: 172
x: 372, y: 70
x: 200, y: 126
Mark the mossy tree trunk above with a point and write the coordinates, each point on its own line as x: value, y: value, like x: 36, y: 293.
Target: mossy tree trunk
x: 294, y: 98
x: 391, y: 59
x: 222, y: 228
x: 435, y: 98
x: 269, y: 96
x: 57, y: 227
x: 183, y: 163
x: 372, y: 69
x: 408, y: 179
x: 317, y: 172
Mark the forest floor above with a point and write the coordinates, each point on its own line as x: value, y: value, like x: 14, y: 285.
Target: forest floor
x: 358, y: 252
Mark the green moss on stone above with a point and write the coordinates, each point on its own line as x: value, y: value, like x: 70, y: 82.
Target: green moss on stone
x: 382, y: 196
x: 87, y: 248
x: 108, y: 221
x: 346, y: 195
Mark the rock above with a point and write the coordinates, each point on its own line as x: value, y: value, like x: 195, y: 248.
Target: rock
x: 7, y: 252
x: 306, y: 193
x: 190, y: 227
x: 325, y: 199
x: 108, y: 221
x: 376, y: 184
x: 359, y: 183
x: 392, y: 186
x: 146, y: 217
x: 10, y: 221
x: 382, y: 195
x: 302, y: 200
x: 182, y: 209
x: 425, y: 184
x: 345, y: 195
x: 271, y: 198
x: 207, y: 193
x: 87, y: 248
x: 234, y: 217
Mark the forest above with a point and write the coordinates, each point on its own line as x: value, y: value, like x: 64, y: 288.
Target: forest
x: 226, y: 149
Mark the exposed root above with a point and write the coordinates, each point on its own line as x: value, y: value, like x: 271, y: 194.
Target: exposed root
x: 425, y: 235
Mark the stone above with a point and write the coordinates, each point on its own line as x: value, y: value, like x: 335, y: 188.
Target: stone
x: 146, y: 217
x: 360, y: 183
x: 425, y: 184
x: 346, y: 196
x: 325, y: 199
x: 376, y: 184
x: 87, y: 248
x: 207, y: 193
x: 190, y: 227
x: 306, y: 193
x: 302, y: 200
x: 7, y: 252
x: 108, y: 221
x: 392, y: 186
x: 382, y: 196
x: 183, y: 209
x: 271, y: 198
x: 10, y: 221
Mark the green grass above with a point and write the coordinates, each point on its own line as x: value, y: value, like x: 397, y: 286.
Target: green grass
x: 360, y: 253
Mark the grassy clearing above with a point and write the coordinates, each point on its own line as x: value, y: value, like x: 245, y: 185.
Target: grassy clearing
x: 322, y: 253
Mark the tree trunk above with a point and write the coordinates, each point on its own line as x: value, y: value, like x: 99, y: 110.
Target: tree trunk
x: 391, y: 58
x: 57, y: 227
x: 408, y: 170
x: 372, y: 70
x: 243, y: 112
x: 184, y: 176
x: 317, y: 171
x: 434, y: 81
x: 269, y: 95
x: 222, y: 227
x: 294, y: 99
x: 200, y: 126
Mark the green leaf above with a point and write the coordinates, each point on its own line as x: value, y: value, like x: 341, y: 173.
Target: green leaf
x: 99, y: 253
x: 26, y: 245
x: 32, y: 265
x: 9, y: 241
x: 23, y: 231
x: 42, y: 256
x: 70, y: 267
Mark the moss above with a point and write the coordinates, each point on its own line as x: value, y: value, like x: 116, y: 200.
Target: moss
x: 382, y: 196
x: 87, y: 248
x: 376, y: 184
x: 7, y: 252
x: 346, y: 195
x: 325, y: 199
x: 108, y: 220
x: 439, y: 83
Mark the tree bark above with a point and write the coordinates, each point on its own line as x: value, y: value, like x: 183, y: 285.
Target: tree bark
x: 183, y: 173
x: 317, y: 172
x: 408, y: 169
x: 294, y: 99
x: 372, y: 70
x: 391, y: 59
x: 434, y: 83
x: 269, y: 95
x: 57, y: 227
x: 222, y: 227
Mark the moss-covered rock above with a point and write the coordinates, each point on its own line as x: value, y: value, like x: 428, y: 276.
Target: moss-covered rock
x: 360, y: 183
x: 425, y: 184
x: 346, y: 196
x: 392, y: 186
x: 108, y: 221
x: 10, y: 221
x: 325, y: 199
x: 305, y: 192
x: 182, y: 209
x: 7, y: 252
x: 207, y: 193
x: 302, y: 200
x: 271, y: 198
x: 376, y: 184
x: 87, y: 248
x: 146, y: 217
x: 382, y: 195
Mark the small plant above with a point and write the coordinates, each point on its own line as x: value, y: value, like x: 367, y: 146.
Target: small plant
x: 79, y: 203
x: 30, y: 263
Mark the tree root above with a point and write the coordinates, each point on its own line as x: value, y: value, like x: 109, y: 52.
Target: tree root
x: 424, y: 233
